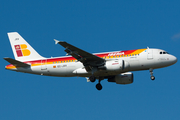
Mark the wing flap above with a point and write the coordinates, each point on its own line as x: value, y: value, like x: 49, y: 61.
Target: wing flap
x: 16, y: 62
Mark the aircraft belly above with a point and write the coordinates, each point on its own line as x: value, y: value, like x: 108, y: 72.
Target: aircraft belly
x: 134, y: 64
x: 147, y: 63
x: 38, y: 70
x: 65, y: 70
x: 99, y: 73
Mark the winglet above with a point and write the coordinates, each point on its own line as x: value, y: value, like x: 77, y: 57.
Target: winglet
x: 56, y: 41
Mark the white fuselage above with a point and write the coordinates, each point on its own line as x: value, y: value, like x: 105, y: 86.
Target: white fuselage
x: 113, y: 66
x: 148, y: 59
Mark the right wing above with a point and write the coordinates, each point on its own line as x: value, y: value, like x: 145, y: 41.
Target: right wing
x: 86, y: 58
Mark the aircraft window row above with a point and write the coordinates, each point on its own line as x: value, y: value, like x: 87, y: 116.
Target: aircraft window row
x: 101, y: 57
x: 164, y: 52
x: 64, y: 61
x: 120, y: 56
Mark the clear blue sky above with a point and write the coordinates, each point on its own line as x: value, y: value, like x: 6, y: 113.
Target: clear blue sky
x: 95, y: 26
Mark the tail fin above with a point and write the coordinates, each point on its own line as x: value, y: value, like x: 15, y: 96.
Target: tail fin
x: 21, y: 49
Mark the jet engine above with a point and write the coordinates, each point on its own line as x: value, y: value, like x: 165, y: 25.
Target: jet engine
x: 124, y: 78
x: 116, y: 65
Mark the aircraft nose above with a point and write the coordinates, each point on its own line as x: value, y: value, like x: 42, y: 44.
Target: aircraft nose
x: 173, y: 59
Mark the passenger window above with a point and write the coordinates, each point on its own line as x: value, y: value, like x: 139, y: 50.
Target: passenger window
x: 164, y: 52
x: 160, y: 52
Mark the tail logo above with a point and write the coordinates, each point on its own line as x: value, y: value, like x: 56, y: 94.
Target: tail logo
x: 21, y: 50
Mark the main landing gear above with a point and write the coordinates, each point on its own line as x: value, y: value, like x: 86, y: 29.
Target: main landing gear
x: 93, y: 79
x: 151, y: 72
x: 99, y: 86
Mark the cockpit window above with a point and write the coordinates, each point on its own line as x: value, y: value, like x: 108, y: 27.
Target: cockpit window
x: 164, y: 52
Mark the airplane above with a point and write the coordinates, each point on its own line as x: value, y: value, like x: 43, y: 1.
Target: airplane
x: 116, y: 66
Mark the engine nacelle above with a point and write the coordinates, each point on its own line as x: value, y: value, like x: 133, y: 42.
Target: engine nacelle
x: 114, y: 65
x: 117, y: 65
x: 124, y: 78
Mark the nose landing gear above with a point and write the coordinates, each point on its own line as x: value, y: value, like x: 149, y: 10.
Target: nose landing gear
x: 151, y: 73
x: 152, y: 78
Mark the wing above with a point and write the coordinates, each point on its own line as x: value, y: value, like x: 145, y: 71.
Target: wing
x: 86, y: 58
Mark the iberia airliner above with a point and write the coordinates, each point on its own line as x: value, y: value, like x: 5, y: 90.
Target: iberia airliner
x: 114, y: 66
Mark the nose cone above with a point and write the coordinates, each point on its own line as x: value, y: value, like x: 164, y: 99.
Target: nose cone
x: 173, y: 59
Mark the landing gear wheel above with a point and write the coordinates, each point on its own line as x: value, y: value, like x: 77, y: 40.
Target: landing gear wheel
x: 152, y: 78
x: 92, y: 78
x: 151, y: 72
x: 99, y: 86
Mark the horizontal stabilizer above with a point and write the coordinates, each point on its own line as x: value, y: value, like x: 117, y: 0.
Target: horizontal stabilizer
x: 16, y: 62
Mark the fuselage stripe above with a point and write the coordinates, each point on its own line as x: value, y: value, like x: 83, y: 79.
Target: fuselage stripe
x: 72, y: 59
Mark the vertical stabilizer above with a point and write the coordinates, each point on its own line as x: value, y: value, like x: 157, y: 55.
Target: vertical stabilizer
x: 21, y: 49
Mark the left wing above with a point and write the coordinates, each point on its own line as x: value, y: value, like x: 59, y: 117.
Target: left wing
x: 86, y: 58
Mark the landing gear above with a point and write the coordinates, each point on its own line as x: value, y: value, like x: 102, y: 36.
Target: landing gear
x: 151, y: 72
x: 98, y: 86
x: 92, y: 78
x: 152, y: 78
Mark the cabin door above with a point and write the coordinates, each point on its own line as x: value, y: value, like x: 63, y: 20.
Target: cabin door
x: 149, y: 54
x: 44, y: 64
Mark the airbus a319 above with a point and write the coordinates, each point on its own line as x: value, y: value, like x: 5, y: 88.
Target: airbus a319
x: 114, y: 66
